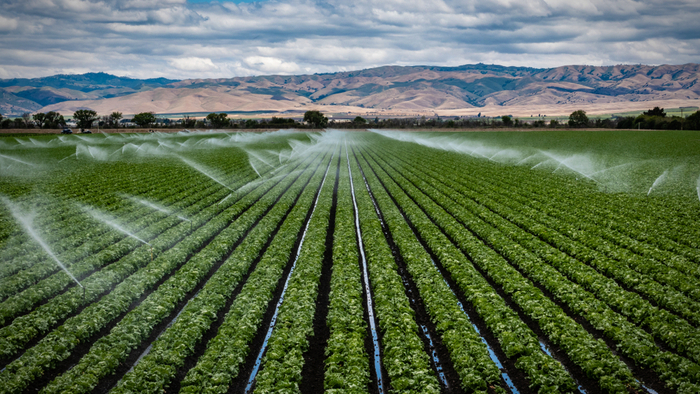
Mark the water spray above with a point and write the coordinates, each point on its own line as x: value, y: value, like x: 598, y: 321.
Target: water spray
x: 157, y: 208
x: 26, y: 219
x: 657, y: 182
x: 110, y: 222
x: 202, y: 170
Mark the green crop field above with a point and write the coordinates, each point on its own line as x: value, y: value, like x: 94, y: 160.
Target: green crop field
x: 357, y: 262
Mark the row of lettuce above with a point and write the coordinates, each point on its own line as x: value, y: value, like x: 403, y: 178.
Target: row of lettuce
x: 676, y: 332
x: 113, y: 290
x: 70, y: 300
x: 45, y: 280
x: 31, y: 264
x: 509, y: 253
x: 675, y: 371
x: 57, y: 215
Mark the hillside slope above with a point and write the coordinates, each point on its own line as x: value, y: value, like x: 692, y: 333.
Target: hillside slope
x: 389, y: 89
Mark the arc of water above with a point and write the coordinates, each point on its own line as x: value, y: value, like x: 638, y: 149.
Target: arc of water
x: 253, y: 166
x: 110, y: 222
x: 203, y: 171
x: 26, y: 221
x: 525, y: 159
x: 17, y: 160
x: 155, y: 206
x: 563, y: 162
x: 657, y: 182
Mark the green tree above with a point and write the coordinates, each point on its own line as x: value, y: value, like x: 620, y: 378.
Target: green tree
x: 54, y: 120
x: 27, y: 118
x: 39, y: 119
x: 144, y: 119
x: 507, y: 120
x: 281, y: 121
x: 656, y: 111
x: 188, y: 122
x: 49, y: 120
x: 359, y: 120
x: 114, y: 118
x: 218, y: 120
x: 578, y: 119
x: 692, y: 122
x: 316, y: 119
x: 625, y: 122
x: 85, y: 117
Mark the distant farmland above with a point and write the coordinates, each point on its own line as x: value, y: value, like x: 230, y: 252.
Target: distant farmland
x: 380, y: 262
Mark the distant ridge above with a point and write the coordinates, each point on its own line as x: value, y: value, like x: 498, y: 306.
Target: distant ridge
x: 397, y: 90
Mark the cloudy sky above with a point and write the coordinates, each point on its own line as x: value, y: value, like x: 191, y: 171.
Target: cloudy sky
x: 208, y: 39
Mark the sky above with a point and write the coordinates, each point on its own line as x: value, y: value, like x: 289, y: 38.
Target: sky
x: 223, y: 39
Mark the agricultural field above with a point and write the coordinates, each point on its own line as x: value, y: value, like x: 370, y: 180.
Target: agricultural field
x: 357, y: 262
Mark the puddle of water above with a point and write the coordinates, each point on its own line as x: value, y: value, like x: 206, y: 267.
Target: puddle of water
x: 436, y: 359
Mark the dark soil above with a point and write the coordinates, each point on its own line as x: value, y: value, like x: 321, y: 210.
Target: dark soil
x: 240, y: 382
x: 84, y: 347
x: 650, y: 378
x: 108, y: 382
x: 443, y: 363
x: 312, y: 378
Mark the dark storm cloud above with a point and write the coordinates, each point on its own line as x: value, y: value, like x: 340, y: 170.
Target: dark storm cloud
x: 178, y: 39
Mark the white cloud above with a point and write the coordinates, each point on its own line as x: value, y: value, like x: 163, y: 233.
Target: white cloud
x: 177, y: 39
x: 193, y: 64
x: 270, y: 65
x: 7, y: 24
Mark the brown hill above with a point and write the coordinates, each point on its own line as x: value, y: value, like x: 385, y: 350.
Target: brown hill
x: 393, y: 90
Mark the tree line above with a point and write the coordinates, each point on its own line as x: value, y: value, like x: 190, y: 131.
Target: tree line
x: 655, y: 118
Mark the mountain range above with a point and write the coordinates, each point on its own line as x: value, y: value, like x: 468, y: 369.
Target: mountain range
x: 388, y: 90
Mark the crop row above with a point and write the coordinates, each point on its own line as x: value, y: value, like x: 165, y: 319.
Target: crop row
x: 590, y: 243
x: 109, y: 242
x: 632, y: 237
x: 593, y: 357
x: 282, y: 364
x: 67, y: 240
x: 176, y: 247
x: 628, y: 219
x: 347, y: 365
x: 515, y: 338
x: 131, y: 255
x: 468, y: 353
x: 675, y: 332
x: 54, y: 219
x: 633, y: 342
x: 109, y: 351
x: 404, y: 357
x: 221, y: 363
